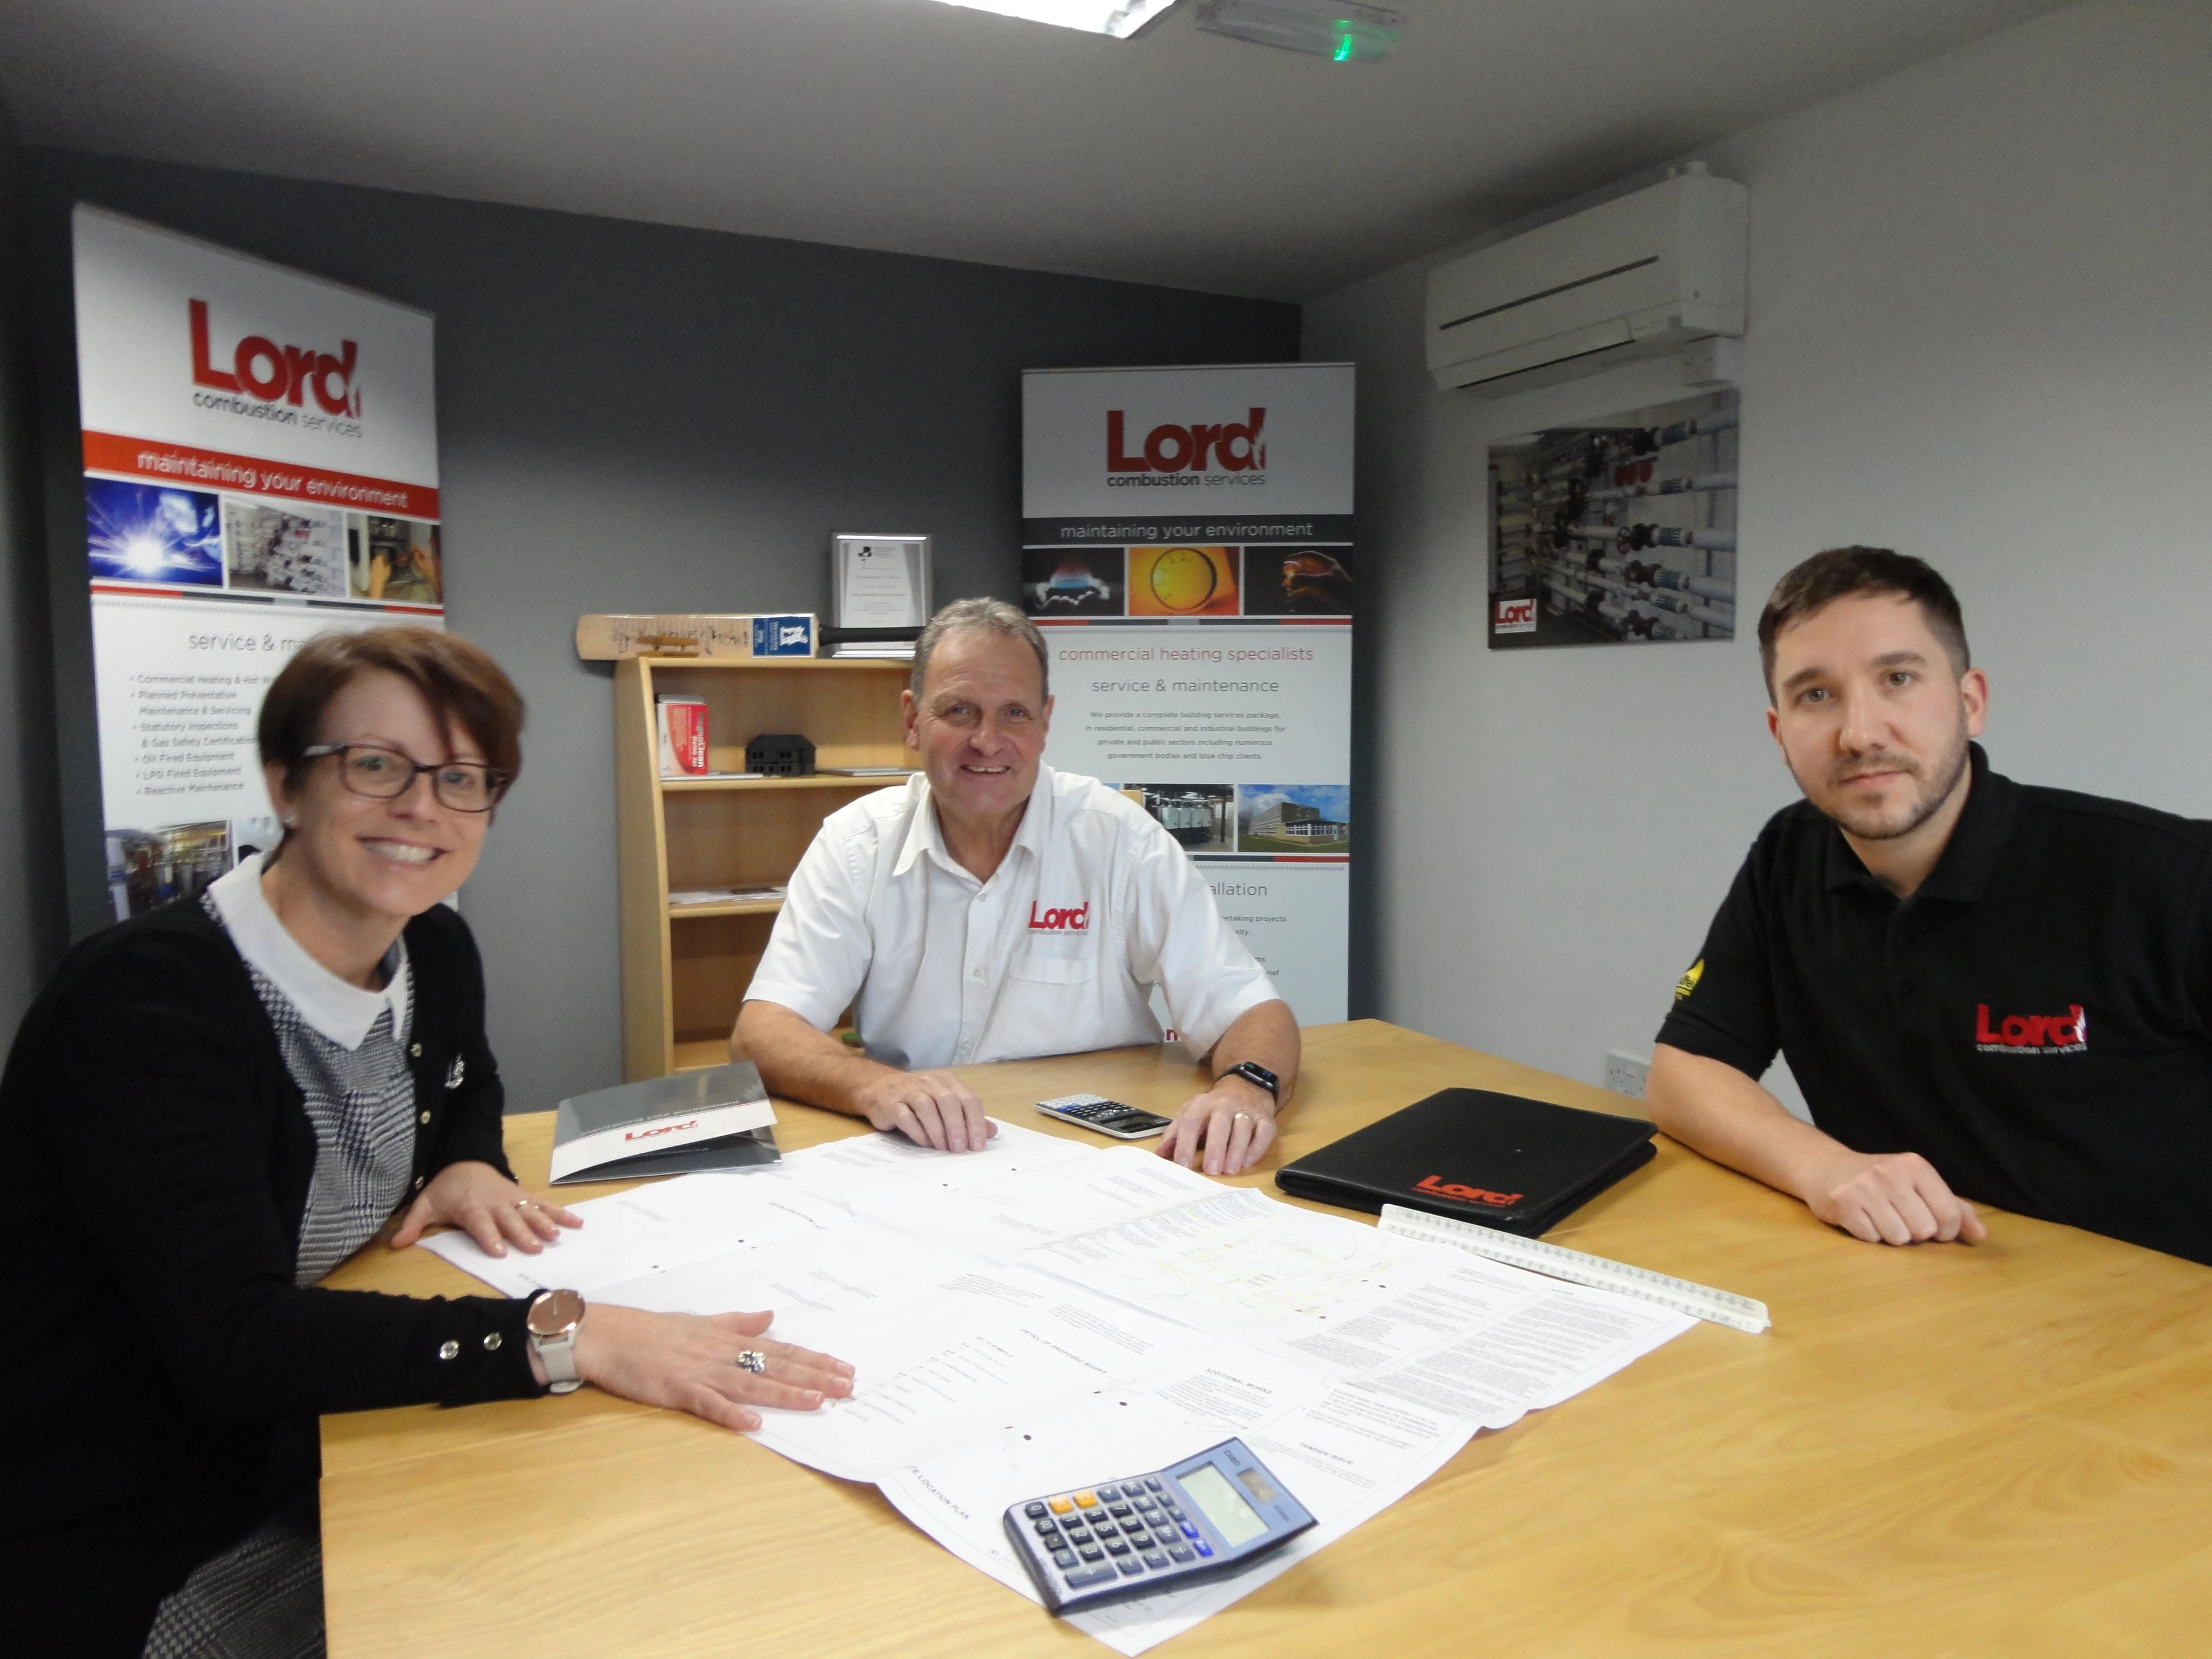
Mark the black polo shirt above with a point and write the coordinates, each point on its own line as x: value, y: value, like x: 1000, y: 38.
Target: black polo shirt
x: 2036, y: 1020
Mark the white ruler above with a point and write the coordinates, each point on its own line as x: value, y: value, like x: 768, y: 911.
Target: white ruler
x: 1700, y: 1301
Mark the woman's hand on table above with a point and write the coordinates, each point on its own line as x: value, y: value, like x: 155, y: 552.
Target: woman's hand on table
x: 487, y: 1206
x: 690, y: 1363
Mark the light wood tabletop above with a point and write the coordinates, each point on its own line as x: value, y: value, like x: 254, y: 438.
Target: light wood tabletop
x: 1995, y: 1450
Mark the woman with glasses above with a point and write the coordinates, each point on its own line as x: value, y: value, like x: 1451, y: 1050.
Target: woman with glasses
x: 213, y: 1105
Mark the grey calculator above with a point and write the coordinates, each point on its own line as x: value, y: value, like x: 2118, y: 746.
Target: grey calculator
x: 1205, y: 1517
x: 1108, y: 1117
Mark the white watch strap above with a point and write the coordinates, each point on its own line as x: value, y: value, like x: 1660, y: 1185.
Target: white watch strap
x: 558, y: 1354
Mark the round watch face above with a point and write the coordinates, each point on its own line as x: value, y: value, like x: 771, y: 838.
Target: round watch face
x: 555, y: 1313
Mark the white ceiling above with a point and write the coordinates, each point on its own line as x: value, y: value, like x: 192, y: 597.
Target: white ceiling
x: 1179, y: 157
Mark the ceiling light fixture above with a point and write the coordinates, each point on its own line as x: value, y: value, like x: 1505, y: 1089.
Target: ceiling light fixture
x: 1327, y: 28
x: 1118, y: 18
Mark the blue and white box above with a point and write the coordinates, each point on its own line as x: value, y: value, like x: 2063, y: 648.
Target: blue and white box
x: 783, y: 636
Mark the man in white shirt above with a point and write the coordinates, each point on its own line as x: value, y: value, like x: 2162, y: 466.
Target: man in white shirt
x: 993, y: 908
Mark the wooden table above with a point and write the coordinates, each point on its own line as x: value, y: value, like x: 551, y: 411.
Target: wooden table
x: 1999, y: 1449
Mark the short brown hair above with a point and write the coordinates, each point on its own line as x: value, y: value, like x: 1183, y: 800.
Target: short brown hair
x: 981, y: 617
x: 1843, y: 572
x: 462, y: 684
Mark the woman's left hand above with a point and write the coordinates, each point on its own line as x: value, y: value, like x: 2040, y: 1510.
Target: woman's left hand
x: 487, y: 1206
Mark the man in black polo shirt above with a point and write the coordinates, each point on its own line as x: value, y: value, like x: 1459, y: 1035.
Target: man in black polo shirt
x: 1984, y: 988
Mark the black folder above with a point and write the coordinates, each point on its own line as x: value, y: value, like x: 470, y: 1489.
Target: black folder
x: 1516, y: 1165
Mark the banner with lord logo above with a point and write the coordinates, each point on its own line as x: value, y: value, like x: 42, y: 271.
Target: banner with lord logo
x: 1187, y: 546
x: 260, y: 466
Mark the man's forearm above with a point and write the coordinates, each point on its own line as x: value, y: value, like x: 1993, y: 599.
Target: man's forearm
x: 801, y: 1063
x: 1714, y: 1109
x: 1266, y: 1035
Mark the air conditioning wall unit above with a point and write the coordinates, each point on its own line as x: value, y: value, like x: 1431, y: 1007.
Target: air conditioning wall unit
x: 1638, y: 276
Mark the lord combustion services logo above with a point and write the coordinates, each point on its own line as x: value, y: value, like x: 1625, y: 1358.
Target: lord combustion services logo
x: 1224, y: 452
x: 267, y: 381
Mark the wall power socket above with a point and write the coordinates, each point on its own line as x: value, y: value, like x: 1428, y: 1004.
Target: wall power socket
x: 1624, y: 1074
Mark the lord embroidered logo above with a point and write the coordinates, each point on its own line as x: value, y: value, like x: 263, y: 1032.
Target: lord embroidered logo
x: 2046, y: 1034
x: 1072, y: 919
x: 1437, y: 1187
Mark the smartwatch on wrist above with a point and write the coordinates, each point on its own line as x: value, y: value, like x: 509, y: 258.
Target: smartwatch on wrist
x: 554, y: 1320
x: 1256, y: 1074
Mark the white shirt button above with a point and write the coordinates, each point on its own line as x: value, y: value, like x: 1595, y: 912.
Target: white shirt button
x: 492, y: 1340
x: 448, y: 1348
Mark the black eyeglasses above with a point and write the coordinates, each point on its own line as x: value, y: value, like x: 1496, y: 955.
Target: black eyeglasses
x: 369, y: 768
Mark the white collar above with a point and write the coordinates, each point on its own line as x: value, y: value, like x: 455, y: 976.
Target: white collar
x: 926, y: 835
x: 341, y: 1013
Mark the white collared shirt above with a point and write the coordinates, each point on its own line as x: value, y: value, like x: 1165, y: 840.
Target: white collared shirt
x: 340, y: 1011
x: 1094, y: 905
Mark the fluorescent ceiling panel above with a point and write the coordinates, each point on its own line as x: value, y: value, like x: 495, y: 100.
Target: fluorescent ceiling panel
x: 1119, y: 18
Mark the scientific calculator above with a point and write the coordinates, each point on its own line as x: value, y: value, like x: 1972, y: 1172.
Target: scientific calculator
x: 1205, y: 1517
x: 1108, y: 1117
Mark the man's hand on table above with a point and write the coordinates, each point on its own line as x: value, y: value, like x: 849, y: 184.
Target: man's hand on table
x: 1883, y: 1198
x: 1889, y: 1198
x: 687, y: 1363
x: 931, y: 1108
x: 1233, y: 1122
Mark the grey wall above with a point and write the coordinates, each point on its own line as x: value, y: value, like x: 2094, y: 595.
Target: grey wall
x: 632, y: 417
x: 1979, y: 332
x: 31, y: 925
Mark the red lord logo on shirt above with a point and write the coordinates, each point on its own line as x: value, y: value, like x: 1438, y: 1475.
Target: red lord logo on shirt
x: 2051, y: 1034
x: 1056, y: 921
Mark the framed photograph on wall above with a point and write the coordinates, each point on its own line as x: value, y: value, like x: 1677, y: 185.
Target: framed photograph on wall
x: 1620, y: 530
x: 878, y: 581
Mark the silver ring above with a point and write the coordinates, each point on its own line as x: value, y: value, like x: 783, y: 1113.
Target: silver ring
x: 526, y: 1203
x: 753, y: 1360
x: 1243, y: 1117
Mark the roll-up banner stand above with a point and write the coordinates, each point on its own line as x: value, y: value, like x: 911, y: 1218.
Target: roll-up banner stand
x: 1187, y: 550
x: 260, y: 466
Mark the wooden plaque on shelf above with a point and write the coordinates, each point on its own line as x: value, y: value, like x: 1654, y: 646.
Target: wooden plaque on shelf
x: 736, y: 637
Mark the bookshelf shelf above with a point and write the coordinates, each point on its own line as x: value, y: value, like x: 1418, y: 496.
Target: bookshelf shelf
x: 702, y: 786
x: 735, y: 908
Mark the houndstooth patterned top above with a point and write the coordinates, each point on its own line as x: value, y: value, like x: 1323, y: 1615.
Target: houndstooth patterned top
x: 362, y: 1102
x: 347, y: 1050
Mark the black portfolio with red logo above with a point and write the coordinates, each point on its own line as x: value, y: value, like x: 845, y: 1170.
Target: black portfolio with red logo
x: 1516, y: 1165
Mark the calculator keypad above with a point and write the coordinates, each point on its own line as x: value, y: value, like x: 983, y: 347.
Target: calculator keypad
x: 1119, y: 1530
x: 1102, y: 1112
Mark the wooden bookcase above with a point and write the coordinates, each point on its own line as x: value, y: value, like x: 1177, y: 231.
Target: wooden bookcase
x: 685, y: 970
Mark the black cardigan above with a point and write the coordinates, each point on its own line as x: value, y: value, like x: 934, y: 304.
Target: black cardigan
x: 162, y: 1374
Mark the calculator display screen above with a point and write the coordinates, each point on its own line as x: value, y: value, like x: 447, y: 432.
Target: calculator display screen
x: 1236, y: 1521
